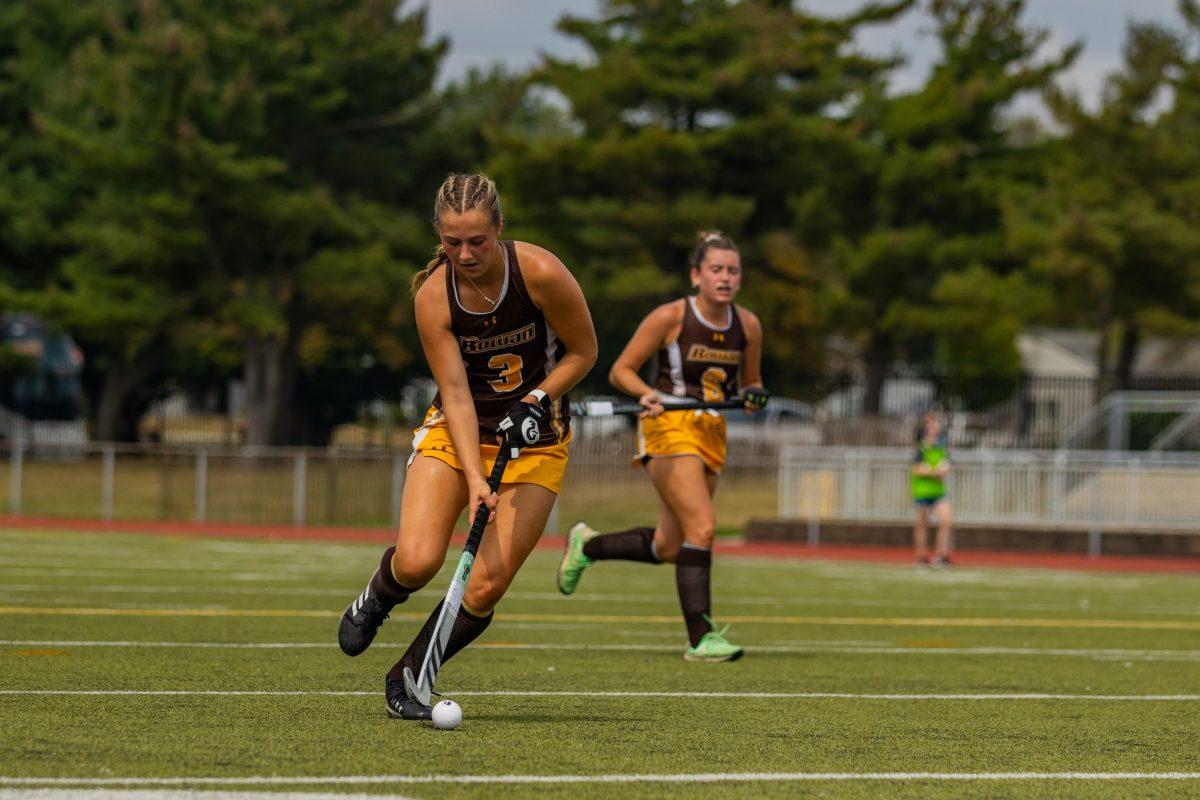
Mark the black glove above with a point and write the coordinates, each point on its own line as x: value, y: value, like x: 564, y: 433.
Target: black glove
x: 522, y: 425
x: 755, y: 396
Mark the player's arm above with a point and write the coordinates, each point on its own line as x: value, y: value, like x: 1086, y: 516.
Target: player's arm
x: 751, y: 375
x: 432, y: 313
x: 555, y: 291
x: 653, y: 332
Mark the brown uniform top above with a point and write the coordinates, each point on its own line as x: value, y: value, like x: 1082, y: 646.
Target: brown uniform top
x: 704, y: 362
x: 507, y: 352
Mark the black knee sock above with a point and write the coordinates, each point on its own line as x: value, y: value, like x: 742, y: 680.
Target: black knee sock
x: 389, y: 590
x: 635, y: 544
x: 693, y: 568
x: 467, y: 628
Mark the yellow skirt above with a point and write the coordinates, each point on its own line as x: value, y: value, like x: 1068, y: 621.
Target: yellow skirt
x: 679, y: 433
x: 544, y: 466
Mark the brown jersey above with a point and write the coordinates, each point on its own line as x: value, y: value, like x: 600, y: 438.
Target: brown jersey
x: 705, y: 361
x: 507, y: 352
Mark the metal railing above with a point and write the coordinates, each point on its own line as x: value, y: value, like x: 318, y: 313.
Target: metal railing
x: 1108, y: 424
x: 1085, y: 490
x: 337, y: 486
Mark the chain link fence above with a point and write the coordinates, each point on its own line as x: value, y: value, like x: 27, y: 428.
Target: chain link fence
x: 344, y: 487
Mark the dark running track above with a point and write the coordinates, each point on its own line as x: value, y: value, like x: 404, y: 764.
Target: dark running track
x: 895, y: 555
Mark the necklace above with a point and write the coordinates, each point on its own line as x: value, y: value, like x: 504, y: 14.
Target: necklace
x: 485, y: 297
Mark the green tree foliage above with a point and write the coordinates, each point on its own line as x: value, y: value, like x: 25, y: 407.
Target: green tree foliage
x: 691, y: 115
x: 925, y: 256
x: 1110, y: 231
x: 35, y: 39
x: 1179, y: 125
x: 245, y: 185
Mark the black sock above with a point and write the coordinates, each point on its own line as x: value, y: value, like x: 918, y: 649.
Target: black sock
x: 385, y: 585
x: 467, y: 628
x: 693, y: 568
x: 635, y: 544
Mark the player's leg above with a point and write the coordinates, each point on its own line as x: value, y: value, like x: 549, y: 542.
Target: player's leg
x: 921, y: 534
x: 434, y: 496
x: 656, y: 545
x: 686, y: 486
x: 585, y: 546
x: 945, y: 516
x: 521, y: 515
x: 669, y: 535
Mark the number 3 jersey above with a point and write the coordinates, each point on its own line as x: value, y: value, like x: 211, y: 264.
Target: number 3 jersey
x: 705, y: 361
x: 507, y: 351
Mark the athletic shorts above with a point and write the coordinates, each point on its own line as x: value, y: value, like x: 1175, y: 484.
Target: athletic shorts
x: 544, y: 466
x: 928, y: 502
x: 680, y: 433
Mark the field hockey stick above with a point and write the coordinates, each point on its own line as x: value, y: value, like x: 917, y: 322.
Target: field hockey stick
x: 421, y: 687
x: 607, y: 408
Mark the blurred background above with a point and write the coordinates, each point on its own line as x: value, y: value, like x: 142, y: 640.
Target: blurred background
x: 210, y: 212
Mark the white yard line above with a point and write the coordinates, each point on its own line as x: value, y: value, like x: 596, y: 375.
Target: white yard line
x: 640, y: 619
x: 634, y: 778
x: 183, y: 564
x: 177, y: 794
x: 1134, y: 698
x: 31, y: 591
x: 25, y: 591
x: 1096, y: 654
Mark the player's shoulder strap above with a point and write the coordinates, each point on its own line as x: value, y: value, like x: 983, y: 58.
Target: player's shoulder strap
x: 515, y: 278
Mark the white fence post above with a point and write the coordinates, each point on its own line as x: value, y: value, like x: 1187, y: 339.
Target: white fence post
x: 989, y: 483
x: 844, y: 482
x: 299, y: 489
x: 1133, y: 494
x: 201, y: 486
x: 814, y: 505
x: 785, y: 477
x: 399, y: 465
x: 107, y: 483
x: 1058, y: 485
x: 1093, y: 542
x: 16, y: 470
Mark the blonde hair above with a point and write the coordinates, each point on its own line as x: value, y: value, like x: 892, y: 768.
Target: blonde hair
x: 710, y: 240
x: 460, y: 193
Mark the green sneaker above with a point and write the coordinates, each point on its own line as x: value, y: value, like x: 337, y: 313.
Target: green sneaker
x: 714, y: 647
x: 574, y: 562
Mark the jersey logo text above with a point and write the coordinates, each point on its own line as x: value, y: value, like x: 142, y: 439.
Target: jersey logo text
x: 699, y: 352
x: 473, y: 344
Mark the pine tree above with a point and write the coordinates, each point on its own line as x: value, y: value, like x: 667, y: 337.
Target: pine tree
x: 1115, y: 244
x: 243, y: 180
x: 690, y: 115
x: 928, y: 254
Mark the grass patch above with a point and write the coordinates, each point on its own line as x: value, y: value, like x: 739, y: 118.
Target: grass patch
x: 618, y: 634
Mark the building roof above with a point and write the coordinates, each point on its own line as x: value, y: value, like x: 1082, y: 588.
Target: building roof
x: 1045, y: 356
x: 1073, y: 354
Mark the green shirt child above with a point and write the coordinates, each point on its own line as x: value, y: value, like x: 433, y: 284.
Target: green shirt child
x: 929, y: 488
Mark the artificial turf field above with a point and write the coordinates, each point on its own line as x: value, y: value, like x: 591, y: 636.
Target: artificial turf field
x: 183, y: 667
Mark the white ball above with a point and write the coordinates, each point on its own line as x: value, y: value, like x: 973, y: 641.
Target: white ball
x: 447, y: 715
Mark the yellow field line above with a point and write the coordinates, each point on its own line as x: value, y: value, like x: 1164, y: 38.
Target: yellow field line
x: 628, y: 619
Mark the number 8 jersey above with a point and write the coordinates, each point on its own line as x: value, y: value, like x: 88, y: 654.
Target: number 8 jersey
x: 507, y: 352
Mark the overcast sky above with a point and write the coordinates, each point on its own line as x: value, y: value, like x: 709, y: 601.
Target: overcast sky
x: 515, y: 31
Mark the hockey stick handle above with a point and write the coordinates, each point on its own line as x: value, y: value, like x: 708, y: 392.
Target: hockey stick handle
x: 420, y: 686
x: 607, y: 408
x: 475, y: 536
